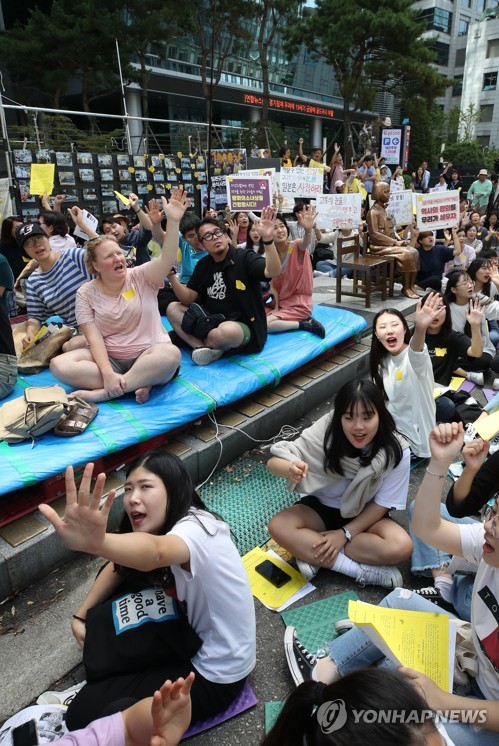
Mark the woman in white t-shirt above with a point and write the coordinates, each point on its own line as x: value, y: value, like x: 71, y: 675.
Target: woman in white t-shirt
x: 168, y: 540
x: 401, y: 367
x: 353, y: 468
x: 128, y: 349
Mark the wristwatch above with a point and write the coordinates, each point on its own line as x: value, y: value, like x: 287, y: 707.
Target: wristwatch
x: 347, y: 533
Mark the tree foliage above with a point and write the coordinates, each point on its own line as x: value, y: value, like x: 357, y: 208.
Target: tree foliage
x: 370, y: 45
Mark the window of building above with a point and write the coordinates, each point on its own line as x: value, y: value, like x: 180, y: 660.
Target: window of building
x: 465, y: 3
x: 480, y: 6
x: 489, y: 81
x: 460, y: 57
x: 442, y: 53
x: 484, y: 140
x: 486, y: 112
x: 457, y: 88
x: 493, y: 48
x: 437, y: 19
x: 463, y: 27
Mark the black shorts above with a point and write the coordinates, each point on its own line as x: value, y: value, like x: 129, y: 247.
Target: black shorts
x: 331, y: 517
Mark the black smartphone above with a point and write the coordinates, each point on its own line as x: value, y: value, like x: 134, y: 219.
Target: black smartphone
x: 272, y: 573
x: 25, y: 734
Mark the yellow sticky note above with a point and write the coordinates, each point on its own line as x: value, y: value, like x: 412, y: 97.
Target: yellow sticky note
x: 42, y: 178
x: 487, y: 427
x: 398, y: 375
x: 455, y: 383
x: 122, y: 198
x: 240, y: 285
x: 129, y: 294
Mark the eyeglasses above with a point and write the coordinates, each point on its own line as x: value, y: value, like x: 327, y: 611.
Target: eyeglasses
x: 463, y: 284
x: 30, y: 242
x: 489, y: 515
x: 212, y: 235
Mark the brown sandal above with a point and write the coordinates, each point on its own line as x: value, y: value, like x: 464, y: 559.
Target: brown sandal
x: 78, y: 418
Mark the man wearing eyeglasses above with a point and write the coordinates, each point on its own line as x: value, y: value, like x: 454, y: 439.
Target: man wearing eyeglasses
x: 226, y: 285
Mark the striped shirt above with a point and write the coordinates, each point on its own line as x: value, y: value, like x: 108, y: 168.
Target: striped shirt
x: 54, y: 292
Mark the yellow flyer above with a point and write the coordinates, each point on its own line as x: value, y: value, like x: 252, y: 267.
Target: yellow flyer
x: 418, y: 639
x: 487, y: 427
x: 42, y: 178
x: 263, y: 589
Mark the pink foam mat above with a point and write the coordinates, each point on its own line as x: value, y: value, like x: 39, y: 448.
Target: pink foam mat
x: 246, y: 699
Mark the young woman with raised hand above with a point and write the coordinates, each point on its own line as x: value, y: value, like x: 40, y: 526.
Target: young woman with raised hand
x: 353, y: 467
x: 128, y: 347
x: 168, y: 540
x: 292, y: 287
x: 401, y: 368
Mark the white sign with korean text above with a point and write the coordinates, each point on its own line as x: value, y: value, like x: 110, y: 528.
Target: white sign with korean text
x: 301, y: 182
x: 257, y: 172
x: 437, y: 210
x: 338, y: 210
x: 391, y: 143
x: 399, y: 207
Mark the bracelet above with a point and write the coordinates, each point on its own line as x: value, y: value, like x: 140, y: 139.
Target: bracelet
x: 267, y: 243
x: 434, y: 474
x: 137, y: 211
x: 79, y: 618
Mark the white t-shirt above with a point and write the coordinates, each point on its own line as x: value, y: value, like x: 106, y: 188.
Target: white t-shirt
x: 484, y: 610
x: 219, y: 600
x: 458, y: 315
x: 391, y: 493
x: 408, y: 382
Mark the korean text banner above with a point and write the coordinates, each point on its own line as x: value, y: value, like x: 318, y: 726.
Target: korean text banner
x: 301, y: 182
x: 248, y: 194
x: 338, y: 210
x: 437, y: 210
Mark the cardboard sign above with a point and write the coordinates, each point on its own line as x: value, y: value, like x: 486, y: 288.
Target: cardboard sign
x: 391, y: 143
x: 399, y: 207
x: 338, y: 210
x: 437, y: 210
x: 42, y: 178
x: 301, y: 182
x: 249, y: 194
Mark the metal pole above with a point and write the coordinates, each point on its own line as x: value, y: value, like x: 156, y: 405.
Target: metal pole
x: 3, y: 122
x: 123, y: 96
x: 210, y: 103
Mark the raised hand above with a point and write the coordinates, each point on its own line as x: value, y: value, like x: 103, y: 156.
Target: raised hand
x: 171, y: 711
x: 265, y: 226
x: 475, y: 453
x: 233, y: 228
x: 427, y: 312
x: 59, y: 199
x: 306, y: 218
x: 154, y: 211
x: 175, y: 207
x: 475, y: 314
x: 446, y: 441
x: 83, y: 526
x: 77, y: 215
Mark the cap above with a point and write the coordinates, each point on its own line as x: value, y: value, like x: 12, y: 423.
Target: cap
x: 27, y: 230
x: 338, y: 183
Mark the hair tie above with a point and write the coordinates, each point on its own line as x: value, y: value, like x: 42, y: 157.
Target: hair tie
x: 319, y: 693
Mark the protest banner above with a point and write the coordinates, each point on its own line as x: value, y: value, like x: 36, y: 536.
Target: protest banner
x: 249, y: 194
x: 437, y: 210
x: 396, y: 186
x: 399, y: 207
x: 338, y: 210
x: 256, y: 173
x: 218, y: 193
x: 301, y: 182
x: 439, y: 188
x: 391, y: 141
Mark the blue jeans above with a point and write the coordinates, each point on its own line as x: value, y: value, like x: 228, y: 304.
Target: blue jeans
x: 354, y: 650
x: 326, y: 266
x: 424, y: 556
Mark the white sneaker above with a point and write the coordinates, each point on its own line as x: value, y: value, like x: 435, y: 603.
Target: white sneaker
x: 476, y: 378
x: 317, y: 273
x: 205, y: 355
x: 495, y: 385
x: 60, y: 698
x: 343, y: 625
x: 388, y: 577
x: 308, y: 570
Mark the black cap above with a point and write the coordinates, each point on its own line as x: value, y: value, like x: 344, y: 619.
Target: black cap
x: 28, y: 230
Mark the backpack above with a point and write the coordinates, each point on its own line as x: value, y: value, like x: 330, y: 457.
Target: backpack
x: 35, y: 413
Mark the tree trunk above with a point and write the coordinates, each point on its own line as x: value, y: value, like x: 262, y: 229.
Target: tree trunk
x: 348, y: 145
x: 262, y: 130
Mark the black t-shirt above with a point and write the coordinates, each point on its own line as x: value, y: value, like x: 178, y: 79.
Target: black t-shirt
x: 232, y: 287
x: 15, y: 257
x: 432, y: 262
x: 6, y: 340
x: 445, y: 350
x: 485, y: 484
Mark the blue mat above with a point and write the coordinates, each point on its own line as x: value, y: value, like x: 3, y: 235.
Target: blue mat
x: 194, y: 393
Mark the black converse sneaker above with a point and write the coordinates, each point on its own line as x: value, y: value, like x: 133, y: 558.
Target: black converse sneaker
x: 300, y: 661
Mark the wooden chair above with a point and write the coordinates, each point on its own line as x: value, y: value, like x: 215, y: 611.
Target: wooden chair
x: 363, y: 267
x: 391, y: 264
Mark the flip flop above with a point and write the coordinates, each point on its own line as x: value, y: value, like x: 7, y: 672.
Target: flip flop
x: 78, y: 418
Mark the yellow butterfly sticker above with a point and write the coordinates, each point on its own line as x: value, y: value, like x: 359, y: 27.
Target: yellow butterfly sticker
x: 240, y: 285
x: 129, y: 294
x: 440, y: 351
